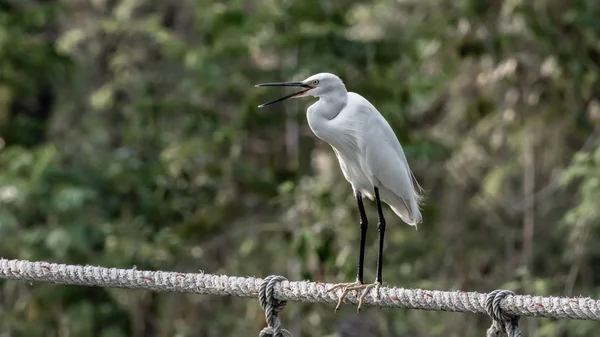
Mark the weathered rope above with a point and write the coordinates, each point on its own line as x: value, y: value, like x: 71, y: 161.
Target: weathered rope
x: 314, y: 292
x: 272, y: 307
x: 503, y: 324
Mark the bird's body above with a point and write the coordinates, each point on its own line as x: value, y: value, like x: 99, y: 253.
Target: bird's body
x: 370, y: 156
x: 368, y: 151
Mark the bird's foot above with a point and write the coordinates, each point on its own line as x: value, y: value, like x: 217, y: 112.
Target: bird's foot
x: 346, y: 287
x: 355, y: 286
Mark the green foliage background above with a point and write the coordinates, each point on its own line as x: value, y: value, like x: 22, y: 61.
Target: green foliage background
x: 129, y: 135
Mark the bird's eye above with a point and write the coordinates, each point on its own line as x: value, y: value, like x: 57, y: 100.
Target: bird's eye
x: 315, y: 82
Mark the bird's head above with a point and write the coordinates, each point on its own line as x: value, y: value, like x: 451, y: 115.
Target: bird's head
x: 316, y: 85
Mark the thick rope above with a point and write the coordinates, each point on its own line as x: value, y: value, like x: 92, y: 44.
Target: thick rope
x: 503, y: 324
x: 303, y: 291
x: 272, y: 307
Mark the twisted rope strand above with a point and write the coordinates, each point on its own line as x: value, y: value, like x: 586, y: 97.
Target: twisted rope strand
x: 503, y: 324
x: 583, y: 308
x: 272, y: 307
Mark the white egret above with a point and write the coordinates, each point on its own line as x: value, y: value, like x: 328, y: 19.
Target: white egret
x: 370, y: 156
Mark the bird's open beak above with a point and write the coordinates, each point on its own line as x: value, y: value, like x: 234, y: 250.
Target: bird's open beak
x: 285, y: 84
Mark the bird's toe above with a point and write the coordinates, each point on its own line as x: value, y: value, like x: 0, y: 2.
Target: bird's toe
x: 346, y: 288
x: 356, y: 287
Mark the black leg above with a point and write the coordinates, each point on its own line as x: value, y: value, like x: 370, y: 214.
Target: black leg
x: 381, y: 230
x: 364, y: 224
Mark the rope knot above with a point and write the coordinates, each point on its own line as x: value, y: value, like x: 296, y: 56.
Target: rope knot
x: 272, y: 307
x: 503, y: 324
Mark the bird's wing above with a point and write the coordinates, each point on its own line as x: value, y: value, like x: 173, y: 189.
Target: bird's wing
x: 386, y: 163
x: 387, y: 169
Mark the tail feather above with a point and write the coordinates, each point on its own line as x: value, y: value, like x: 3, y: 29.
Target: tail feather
x: 417, y: 189
x: 411, y: 215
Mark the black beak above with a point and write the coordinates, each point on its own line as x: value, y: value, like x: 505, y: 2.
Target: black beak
x: 285, y: 84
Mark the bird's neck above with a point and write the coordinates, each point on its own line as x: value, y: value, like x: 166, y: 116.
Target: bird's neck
x: 322, y: 112
x: 330, y: 104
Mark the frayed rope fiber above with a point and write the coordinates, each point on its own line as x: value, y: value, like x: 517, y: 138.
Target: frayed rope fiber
x: 510, y: 305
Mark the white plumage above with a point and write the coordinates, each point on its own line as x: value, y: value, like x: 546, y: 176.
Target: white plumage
x: 369, y: 153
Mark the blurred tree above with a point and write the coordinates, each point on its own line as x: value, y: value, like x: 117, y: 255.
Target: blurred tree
x: 129, y: 135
